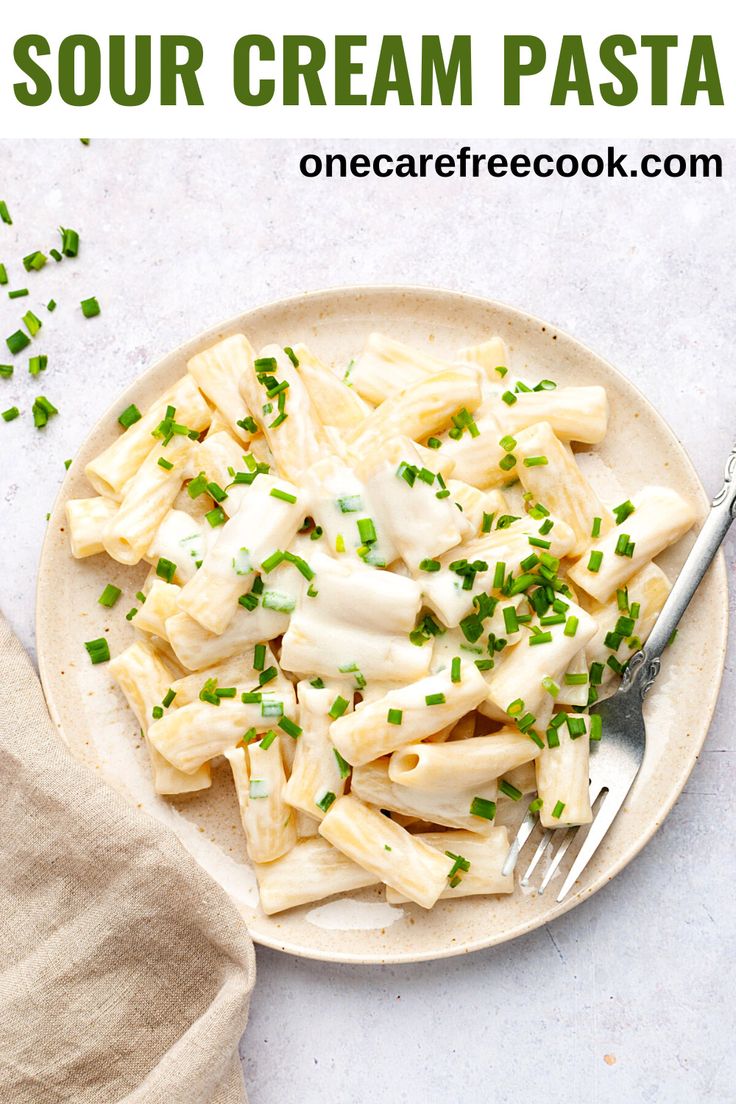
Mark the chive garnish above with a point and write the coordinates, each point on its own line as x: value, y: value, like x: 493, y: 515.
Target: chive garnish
x: 17, y: 342
x: 276, y: 492
x: 595, y: 561
x: 5, y: 213
x: 509, y: 790
x: 90, y: 307
x: 166, y: 569
x: 130, y: 416
x: 98, y: 650
x: 69, y: 242
x: 395, y: 716
x: 42, y: 410
x: 435, y: 699
x: 337, y: 708
x: 482, y: 807
x: 291, y: 728
x: 109, y: 596
x: 216, y: 517
x: 10, y: 414
x: 20, y: 293
x: 455, y: 669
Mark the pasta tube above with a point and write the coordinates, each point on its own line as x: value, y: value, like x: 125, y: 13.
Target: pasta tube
x: 340, y: 502
x: 371, y: 783
x: 147, y: 498
x: 242, y: 672
x: 386, y: 367
x: 386, y: 849
x: 519, y: 677
x: 311, y: 871
x: 547, y: 470
x: 181, y: 539
x: 317, y: 775
x: 563, y: 778
x: 198, y: 732
x: 112, y: 469
x: 489, y: 355
x: 196, y: 648
x: 407, y: 714
x: 216, y: 455
x: 87, y: 519
x: 645, y: 594
x: 266, y: 523
x: 217, y: 372
x: 145, y: 681
x: 295, y: 434
x: 460, y: 764
x: 336, y: 403
x: 485, y: 854
x: 660, y: 516
x: 269, y: 824
x: 160, y: 604
x: 573, y: 413
x: 417, y: 412
x: 575, y: 692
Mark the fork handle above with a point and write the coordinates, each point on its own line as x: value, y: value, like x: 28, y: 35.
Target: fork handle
x: 644, y: 666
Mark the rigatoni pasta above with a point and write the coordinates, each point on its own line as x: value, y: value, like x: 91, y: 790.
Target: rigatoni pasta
x: 386, y: 593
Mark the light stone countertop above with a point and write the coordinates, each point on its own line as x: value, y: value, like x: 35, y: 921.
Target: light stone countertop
x: 628, y: 998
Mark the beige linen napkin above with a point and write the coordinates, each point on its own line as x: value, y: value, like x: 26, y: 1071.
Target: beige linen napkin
x: 125, y: 971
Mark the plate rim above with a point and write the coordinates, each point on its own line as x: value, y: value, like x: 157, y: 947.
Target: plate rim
x: 718, y: 569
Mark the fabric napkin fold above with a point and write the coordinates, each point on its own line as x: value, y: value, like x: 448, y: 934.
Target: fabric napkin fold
x: 125, y: 971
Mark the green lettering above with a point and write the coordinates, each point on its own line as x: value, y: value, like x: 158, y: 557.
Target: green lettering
x: 571, y: 74
x: 308, y: 70
x: 445, y: 76
x: 185, y: 71
x: 392, y: 73
x: 142, y: 71
x: 513, y: 67
x: 345, y: 69
x: 241, y: 70
x: 702, y: 57
x: 91, y: 72
x: 629, y: 86
x: 40, y: 92
x: 659, y: 45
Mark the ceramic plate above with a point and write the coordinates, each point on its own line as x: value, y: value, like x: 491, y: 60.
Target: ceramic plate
x: 96, y: 724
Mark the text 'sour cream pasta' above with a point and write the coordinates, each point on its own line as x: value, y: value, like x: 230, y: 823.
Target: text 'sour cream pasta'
x: 385, y: 592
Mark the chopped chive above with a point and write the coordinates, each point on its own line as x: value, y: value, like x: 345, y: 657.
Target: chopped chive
x: 196, y: 486
x: 130, y: 416
x: 339, y: 543
x: 35, y: 261
x: 259, y: 657
x: 576, y: 679
x: 10, y: 414
x: 90, y: 307
x: 434, y: 443
x: 131, y: 614
x: 165, y: 569
x: 276, y: 492
x: 5, y: 214
x: 226, y: 692
x: 98, y: 650
x: 430, y: 565
x: 37, y: 364
x: 509, y: 790
x: 69, y: 242
x: 157, y: 712
x: 216, y: 517
x: 507, y: 443
x: 540, y: 638
x: 596, y: 674
x: 455, y: 669
x: 575, y: 726
x: 17, y: 341
x: 558, y: 809
x: 499, y: 575
x: 325, y: 802
x: 395, y: 716
x: 571, y: 626
x: 525, y: 723
x: 272, y: 561
x: 623, y: 511
x: 55, y: 254
x: 486, y: 523
x: 509, y: 398
x: 446, y: 494
x: 337, y: 708
x: 251, y: 697
x: 19, y: 294
x: 510, y: 620
x: 3, y: 275
x: 267, y: 739
x: 550, y: 686
x: 366, y: 530
x: 596, y: 726
x: 515, y: 708
x: 291, y: 728
x: 634, y: 611
x: 536, y: 805
x: 109, y: 596
x: 342, y: 764
x: 507, y: 462
x: 482, y: 807
x: 42, y: 410
x: 553, y: 738
x: 277, y: 600
x: 168, y: 698
x: 595, y: 561
x: 32, y: 323
x: 501, y: 370
x: 535, y: 461
x: 164, y: 463
x: 596, y: 530
x: 267, y: 676
x: 538, y: 542
x: 215, y: 491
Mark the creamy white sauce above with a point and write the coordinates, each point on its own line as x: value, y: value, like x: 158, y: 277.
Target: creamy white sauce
x: 347, y: 915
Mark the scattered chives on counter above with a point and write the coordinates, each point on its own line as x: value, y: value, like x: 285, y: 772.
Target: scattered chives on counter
x: 90, y: 307
x: 42, y: 411
x: 19, y: 293
x: 6, y: 371
x: 69, y: 242
x: 32, y: 323
x: 3, y: 274
x: 5, y: 213
x: 11, y: 414
x: 37, y: 364
x: 17, y: 341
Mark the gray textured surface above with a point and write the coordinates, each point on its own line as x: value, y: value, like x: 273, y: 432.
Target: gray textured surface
x: 177, y: 236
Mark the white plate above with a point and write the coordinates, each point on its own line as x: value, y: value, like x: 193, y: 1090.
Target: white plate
x: 96, y: 724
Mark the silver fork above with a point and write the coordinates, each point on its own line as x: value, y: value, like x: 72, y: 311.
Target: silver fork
x: 615, y: 760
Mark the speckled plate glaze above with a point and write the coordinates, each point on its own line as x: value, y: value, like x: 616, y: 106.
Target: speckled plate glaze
x: 96, y: 724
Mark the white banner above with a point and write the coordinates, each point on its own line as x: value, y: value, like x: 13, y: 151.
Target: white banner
x: 577, y: 69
